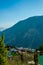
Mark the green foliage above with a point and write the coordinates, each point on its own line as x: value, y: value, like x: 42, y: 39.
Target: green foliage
x: 41, y: 49
x: 3, y: 52
x: 3, y: 60
x: 14, y: 54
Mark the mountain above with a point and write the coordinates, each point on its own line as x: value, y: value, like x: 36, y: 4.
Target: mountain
x: 0, y: 33
x: 26, y: 33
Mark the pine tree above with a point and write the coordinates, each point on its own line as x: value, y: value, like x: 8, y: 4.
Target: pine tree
x: 3, y: 52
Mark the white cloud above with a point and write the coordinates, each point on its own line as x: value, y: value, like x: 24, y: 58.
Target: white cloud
x: 6, y: 25
x: 1, y: 28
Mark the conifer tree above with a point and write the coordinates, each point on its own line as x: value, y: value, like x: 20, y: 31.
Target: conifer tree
x: 3, y: 52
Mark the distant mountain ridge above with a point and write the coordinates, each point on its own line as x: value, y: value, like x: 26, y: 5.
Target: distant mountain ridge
x: 0, y: 33
x: 26, y: 33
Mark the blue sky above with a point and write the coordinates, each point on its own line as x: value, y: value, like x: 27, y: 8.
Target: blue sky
x: 12, y: 11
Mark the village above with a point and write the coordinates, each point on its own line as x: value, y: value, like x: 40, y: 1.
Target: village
x: 22, y: 56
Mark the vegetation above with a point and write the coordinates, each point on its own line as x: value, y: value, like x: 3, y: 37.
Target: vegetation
x: 41, y: 49
x: 17, y: 58
x: 3, y: 52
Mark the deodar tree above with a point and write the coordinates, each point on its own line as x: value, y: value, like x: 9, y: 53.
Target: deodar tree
x: 3, y: 52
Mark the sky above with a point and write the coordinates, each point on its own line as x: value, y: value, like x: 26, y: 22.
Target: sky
x: 12, y: 11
